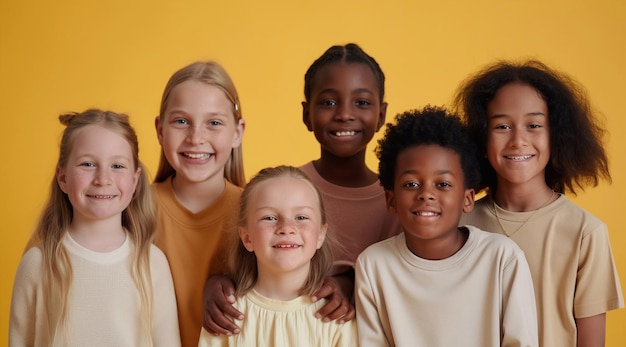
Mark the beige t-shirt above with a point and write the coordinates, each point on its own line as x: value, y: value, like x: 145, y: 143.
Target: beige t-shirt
x: 104, y: 308
x: 480, y: 296
x: 570, y: 259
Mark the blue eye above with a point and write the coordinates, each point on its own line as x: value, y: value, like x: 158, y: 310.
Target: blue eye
x: 302, y: 218
x: 180, y: 121
x: 215, y: 123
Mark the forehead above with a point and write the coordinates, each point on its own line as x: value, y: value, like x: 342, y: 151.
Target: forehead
x: 198, y: 93
x: 358, y: 75
x: 285, y: 190
x: 516, y: 96
x: 99, y: 140
x: 428, y: 158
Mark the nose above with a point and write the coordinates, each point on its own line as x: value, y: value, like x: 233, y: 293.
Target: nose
x: 344, y: 112
x: 286, y: 227
x: 518, y: 138
x: 103, y: 176
x: 426, y: 194
x: 196, y: 135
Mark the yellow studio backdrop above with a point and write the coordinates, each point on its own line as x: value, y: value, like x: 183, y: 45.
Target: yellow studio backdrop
x: 65, y: 56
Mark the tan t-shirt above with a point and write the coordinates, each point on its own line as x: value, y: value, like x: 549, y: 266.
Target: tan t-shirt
x: 570, y: 259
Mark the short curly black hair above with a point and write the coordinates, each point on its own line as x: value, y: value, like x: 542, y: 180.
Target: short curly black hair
x: 431, y: 125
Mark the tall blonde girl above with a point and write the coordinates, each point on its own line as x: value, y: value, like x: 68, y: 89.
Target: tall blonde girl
x: 198, y: 183
x: 92, y: 245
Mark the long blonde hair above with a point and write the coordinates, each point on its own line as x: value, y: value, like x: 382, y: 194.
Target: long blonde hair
x: 213, y: 74
x: 243, y: 264
x: 138, y: 219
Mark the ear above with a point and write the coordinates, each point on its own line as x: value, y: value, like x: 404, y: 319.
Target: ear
x: 245, y: 238
x: 391, y: 201
x: 159, y: 129
x: 305, y: 116
x: 468, y: 200
x: 381, y: 116
x: 238, y: 136
x: 137, y: 175
x: 60, y: 175
x: 322, y: 236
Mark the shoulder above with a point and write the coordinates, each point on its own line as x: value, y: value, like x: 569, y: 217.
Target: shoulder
x: 570, y: 220
x: 30, y: 266
x: 231, y: 192
x: 157, y: 257
x: 492, y: 241
x: 385, y: 249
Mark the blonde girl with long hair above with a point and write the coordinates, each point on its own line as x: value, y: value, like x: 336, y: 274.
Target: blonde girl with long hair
x: 278, y: 259
x: 93, y: 276
x: 198, y: 183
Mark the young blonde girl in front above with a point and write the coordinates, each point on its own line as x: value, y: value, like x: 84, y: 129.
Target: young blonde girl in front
x: 198, y: 183
x: 93, y: 277
x: 540, y: 139
x: 278, y: 261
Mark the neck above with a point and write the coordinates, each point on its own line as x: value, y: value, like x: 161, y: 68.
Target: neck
x: 282, y: 286
x: 524, y: 198
x: 197, y: 196
x: 99, y: 236
x: 439, y: 248
x: 345, y: 172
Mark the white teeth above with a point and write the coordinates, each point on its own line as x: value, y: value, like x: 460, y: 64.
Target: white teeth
x: 286, y: 246
x: 197, y: 156
x: 345, y: 133
x: 519, y: 158
x: 426, y: 214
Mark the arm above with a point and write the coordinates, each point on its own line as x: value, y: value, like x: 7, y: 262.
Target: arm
x: 591, y: 331
x: 369, y: 327
x: 165, y: 330
x: 219, y: 297
x: 519, y: 313
x: 25, y: 300
x: 338, y: 290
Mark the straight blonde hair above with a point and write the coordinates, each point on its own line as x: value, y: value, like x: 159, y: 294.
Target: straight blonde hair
x: 242, y: 264
x: 213, y: 74
x: 138, y: 219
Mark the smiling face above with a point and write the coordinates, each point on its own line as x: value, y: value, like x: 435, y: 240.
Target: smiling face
x: 99, y: 176
x: 283, y: 226
x: 198, y: 131
x: 345, y: 110
x: 429, y: 196
x: 518, y: 139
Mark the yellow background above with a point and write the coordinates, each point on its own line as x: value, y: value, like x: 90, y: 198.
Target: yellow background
x: 59, y: 56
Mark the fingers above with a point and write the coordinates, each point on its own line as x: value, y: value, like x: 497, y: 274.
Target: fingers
x: 218, y: 306
x: 338, y: 306
x: 217, y: 323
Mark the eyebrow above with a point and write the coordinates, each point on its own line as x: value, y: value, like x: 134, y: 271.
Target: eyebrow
x: 358, y: 90
x: 438, y: 172
x: 502, y: 115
